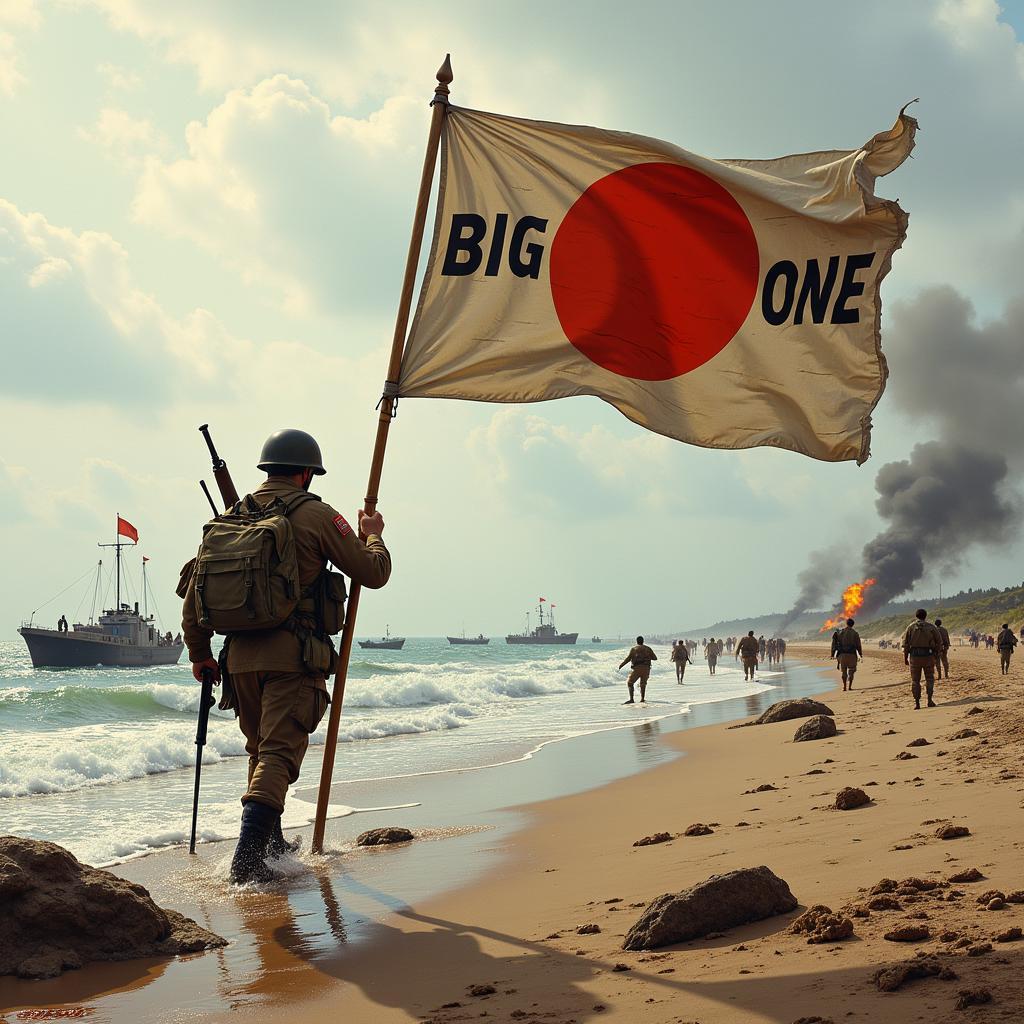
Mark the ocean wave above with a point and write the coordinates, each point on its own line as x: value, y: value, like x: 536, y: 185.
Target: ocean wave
x: 86, y: 756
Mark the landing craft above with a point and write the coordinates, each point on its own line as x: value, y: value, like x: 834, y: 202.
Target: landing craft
x: 386, y: 643
x: 121, y: 638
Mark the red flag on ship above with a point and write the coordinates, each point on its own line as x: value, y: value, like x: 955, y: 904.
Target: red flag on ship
x: 542, y: 599
x: 125, y: 529
x: 145, y: 559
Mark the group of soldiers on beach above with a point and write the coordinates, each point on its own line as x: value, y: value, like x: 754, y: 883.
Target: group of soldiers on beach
x: 925, y: 652
x: 749, y: 649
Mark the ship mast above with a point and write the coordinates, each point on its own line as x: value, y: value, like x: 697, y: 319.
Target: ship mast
x: 117, y: 545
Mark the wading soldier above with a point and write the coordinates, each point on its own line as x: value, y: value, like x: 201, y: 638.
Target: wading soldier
x: 274, y: 675
x: 942, y: 661
x: 712, y: 655
x: 747, y: 650
x: 639, y: 658
x: 681, y: 656
x: 848, y: 649
x: 921, y: 644
x: 1005, y: 642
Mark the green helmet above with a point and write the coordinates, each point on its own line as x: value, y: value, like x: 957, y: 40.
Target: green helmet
x: 291, y: 448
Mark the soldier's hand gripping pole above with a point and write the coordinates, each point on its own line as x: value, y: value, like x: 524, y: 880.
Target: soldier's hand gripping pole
x: 206, y: 702
x: 221, y: 473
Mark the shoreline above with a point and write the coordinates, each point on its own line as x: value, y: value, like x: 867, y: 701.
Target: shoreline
x: 564, y: 857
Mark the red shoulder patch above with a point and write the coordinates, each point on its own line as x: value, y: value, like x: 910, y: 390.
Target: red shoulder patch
x: 342, y: 524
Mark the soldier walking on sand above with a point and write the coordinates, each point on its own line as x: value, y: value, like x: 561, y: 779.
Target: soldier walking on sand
x: 681, y: 656
x: 921, y: 644
x: 848, y: 650
x: 274, y: 677
x: 942, y: 661
x: 640, y: 657
x: 1006, y: 642
x: 747, y: 650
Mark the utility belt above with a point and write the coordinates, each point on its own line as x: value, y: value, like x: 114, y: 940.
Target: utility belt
x: 847, y: 650
x: 922, y: 652
x: 641, y: 664
x: 1006, y: 647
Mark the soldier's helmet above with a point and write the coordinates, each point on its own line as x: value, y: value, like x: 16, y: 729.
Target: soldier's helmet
x: 849, y: 622
x: 292, y: 448
x: 921, y: 613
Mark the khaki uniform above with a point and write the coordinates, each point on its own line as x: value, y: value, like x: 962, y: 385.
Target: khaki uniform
x: 640, y: 658
x: 278, y: 702
x: 747, y: 651
x: 848, y: 647
x: 922, y: 642
x: 681, y: 656
x: 942, y: 661
x: 1005, y: 642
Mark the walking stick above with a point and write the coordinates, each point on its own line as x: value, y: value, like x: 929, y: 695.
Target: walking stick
x: 206, y: 702
x: 388, y: 402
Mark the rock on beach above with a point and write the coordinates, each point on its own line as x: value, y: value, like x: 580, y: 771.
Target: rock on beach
x: 60, y: 914
x: 714, y: 905
x: 784, y: 710
x: 820, y: 727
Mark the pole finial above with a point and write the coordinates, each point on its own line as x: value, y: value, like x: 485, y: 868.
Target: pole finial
x: 444, y: 79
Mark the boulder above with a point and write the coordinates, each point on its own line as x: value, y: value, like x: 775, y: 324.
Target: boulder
x: 714, y: 905
x: 820, y: 727
x: 952, y: 831
x: 967, y: 875
x: 889, y: 979
x: 785, y: 710
x: 59, y: 914
x: 849, y: 798
x: 384, y: 836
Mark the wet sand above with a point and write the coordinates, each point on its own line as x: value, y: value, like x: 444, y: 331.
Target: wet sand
x: 510, y: 896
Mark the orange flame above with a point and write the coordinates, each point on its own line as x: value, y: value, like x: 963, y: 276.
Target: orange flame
x: 853, y: 601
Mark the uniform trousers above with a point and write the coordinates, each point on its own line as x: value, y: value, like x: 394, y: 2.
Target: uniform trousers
x: 276, y: 712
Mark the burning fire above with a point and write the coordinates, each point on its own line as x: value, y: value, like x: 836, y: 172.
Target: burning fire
x: 853, y: 601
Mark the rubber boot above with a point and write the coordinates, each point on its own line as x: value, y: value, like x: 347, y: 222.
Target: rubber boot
x: 278, y: 845
x: 249, y: 863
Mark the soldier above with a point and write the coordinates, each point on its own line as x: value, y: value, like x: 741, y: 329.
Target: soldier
x: 942, y: 661
x: 274, y: 679
x: 712, y: 655
x: 639, y: 658
x: 921, y: 643
x: 848, y: 649
x: 681, y: 656
x: 747, y: 650
x: 1006, y: 642
x: 761, y: 646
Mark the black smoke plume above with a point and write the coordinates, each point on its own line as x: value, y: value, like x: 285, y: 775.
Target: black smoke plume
x: 966, y: 383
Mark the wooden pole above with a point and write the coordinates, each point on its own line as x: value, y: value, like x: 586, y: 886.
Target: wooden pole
x: 439, y: 109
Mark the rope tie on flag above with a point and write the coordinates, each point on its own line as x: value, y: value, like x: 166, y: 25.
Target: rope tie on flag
x: 390, y: 395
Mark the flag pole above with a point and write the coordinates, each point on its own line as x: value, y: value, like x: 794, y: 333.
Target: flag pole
x: 388, y: 402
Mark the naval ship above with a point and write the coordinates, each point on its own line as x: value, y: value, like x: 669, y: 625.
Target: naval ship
x: 545, y: 633
x: 478, y: 641
x: 386, y: 643
x: 122, y: 638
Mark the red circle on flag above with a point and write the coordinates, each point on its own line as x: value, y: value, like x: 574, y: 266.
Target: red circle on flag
x: 653, y: 270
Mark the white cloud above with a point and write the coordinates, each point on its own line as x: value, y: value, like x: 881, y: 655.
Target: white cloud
x: 297, y: 200
x: 974, y: 26
x: 119, y: 78
x: 125, y: 139
x: 15, y: 15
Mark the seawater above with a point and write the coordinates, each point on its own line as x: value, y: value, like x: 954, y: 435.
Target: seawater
x: 102, y: 760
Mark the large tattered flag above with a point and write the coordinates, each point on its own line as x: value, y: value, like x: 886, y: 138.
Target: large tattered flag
x: 726, y: 303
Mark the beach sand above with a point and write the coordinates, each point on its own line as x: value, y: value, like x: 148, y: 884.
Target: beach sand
x: 571, y: 862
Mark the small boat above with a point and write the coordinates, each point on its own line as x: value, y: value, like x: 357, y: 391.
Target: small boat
x: 386, y: 643
x: 595, y: 640
x: 478, y: 640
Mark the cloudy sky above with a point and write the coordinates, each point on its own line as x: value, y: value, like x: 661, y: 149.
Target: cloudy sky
x: 204, y: 210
